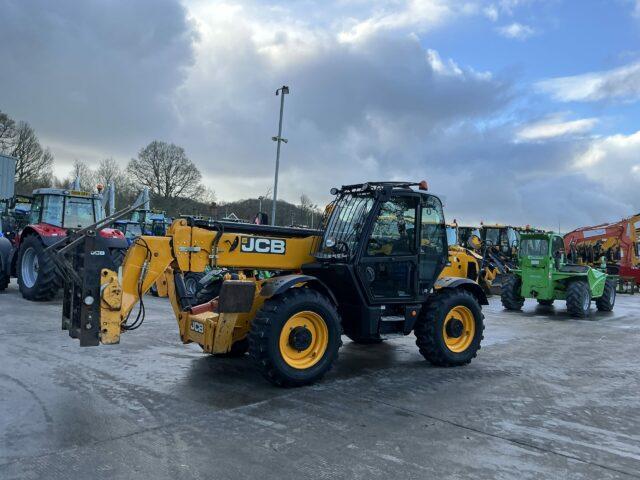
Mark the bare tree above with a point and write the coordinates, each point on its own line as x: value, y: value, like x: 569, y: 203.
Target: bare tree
x: 84, y: 174
x: 7, y: 132
x: 166, y: 170
x: 33, y: 163
x: 109, y: 171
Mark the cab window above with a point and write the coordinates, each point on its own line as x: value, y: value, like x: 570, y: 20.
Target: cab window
x: 52, y: 210
x: 557, y: 245
x: 433, y: 239
x: 394, y: 229
x: 36, y: 208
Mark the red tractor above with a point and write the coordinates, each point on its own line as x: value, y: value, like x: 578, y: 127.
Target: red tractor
x: 54, y: 213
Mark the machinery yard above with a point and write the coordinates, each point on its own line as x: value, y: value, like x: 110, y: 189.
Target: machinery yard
x: 548, y: 396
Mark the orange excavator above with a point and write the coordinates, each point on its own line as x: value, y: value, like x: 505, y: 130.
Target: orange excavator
x: 611, y: 245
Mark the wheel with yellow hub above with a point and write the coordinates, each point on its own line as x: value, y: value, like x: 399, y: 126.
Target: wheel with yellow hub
x: 295, y: 337
x: 450, y: 328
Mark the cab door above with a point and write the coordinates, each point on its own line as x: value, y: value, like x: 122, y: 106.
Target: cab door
x: 433, y: 248
x: 388, y: 266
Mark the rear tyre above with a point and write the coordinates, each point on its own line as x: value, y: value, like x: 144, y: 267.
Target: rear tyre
x: 450, y: 328
x: 578, y: 299
x: 295, y: 337
x: 4, y: 275
x: 545, y: 303
x: 510, y: 293
x: 192, y: 282
x: 606, y: 302
x: 37, y: 277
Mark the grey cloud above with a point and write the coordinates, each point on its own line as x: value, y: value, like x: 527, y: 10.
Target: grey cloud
x: 93, y: 72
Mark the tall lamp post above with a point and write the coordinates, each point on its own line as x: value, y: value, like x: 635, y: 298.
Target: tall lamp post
x: 282, y: 91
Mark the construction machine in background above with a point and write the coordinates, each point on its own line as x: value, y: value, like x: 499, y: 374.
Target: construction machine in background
x: 613, y: 246
x: 545, y: 274
x: 54, y: 213
x: 372, y: 271
x: 499, y: 250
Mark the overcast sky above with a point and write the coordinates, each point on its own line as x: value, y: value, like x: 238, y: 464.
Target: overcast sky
x: 518, y: 111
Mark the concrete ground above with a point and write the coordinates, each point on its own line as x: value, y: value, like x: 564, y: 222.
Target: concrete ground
x: 547, y: 397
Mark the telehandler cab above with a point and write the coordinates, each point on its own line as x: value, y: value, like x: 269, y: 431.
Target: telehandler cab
x: 372, y: 271
x: 544, y: 274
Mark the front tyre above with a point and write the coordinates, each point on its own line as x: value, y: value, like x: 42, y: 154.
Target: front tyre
x: 606, y: 302
x: 578, y: 299
x: 295, y: 337
x: 510, y: 293
x: 37, y: 277
x: 450, y: 328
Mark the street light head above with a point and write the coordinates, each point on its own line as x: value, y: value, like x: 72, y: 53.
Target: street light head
x: 284, y: 89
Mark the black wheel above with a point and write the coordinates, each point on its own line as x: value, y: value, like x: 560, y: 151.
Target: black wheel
x: 5, y: 279
x: 450, y: 328
x: 545, y: 303
x: 117, y: 255
x: 295, y: 337
x: 606, y: 302
x: 578, y: 298
x: 510, y: 293
x: 192, y: 282
x: 37, y: 277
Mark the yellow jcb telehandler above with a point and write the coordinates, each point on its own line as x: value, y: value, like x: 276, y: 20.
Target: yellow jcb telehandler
x: 372, y: 271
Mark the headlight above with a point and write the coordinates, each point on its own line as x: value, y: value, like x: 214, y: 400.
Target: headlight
x: 330, y: 243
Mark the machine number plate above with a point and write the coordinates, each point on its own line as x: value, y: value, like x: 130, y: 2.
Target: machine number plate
x: 197, y: 326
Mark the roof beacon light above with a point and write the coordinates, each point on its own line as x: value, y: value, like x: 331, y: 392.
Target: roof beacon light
x: 423, y: 185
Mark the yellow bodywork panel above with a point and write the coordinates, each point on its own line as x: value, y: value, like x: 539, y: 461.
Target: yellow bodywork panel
x: 459, y: 260
x: 193, y: 250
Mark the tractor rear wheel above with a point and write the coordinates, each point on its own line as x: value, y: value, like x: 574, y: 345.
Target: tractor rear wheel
x: 510, y: 294
x: 606, y: 302
x: 578, y: 298
x: 295, y: 337
x: 450, y: 328
x: 37, y: 277
x: 545, y: 303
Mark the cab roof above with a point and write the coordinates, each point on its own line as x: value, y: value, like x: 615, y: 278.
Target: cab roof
x: 66, y: 192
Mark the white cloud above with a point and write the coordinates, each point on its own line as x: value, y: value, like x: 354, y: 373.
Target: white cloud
x: 621, y: 83
x: 555, y: 126
x: 491, y: 12
x: 414, y: 15
x: 615, y: 161
x: 516, y: 31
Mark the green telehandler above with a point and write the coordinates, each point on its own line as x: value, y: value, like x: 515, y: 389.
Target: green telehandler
x: 545, y: 274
